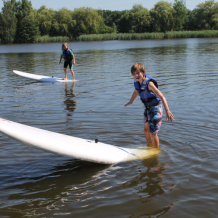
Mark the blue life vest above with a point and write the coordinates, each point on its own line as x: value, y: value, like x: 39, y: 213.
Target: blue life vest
x: 146, y: 96
x: 67, y: 55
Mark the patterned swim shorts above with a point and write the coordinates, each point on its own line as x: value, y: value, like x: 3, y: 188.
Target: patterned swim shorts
x: 153, y: 115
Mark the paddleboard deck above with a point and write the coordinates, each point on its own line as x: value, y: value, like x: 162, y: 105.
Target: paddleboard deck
x: 70, y: 146
x: 40, y: 78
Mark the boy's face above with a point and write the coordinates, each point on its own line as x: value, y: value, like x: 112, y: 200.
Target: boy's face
x: 138, y: 76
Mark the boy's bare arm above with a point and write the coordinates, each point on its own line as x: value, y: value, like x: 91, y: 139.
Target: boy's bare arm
x: 158, y: 93
x: 60, y: 59
x: 134, y: 95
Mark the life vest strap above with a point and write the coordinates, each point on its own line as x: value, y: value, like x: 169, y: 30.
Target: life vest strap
x: 148, y: 100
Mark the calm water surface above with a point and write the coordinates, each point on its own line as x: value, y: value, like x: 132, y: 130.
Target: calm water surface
x: 181, y: 181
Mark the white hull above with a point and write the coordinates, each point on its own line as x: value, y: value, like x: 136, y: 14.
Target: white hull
x: 40, y: 77
x: 71, y: 146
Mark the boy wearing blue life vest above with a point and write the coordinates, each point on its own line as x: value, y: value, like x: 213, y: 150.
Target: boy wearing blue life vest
x: 69, y: 59
x: 147, y: 88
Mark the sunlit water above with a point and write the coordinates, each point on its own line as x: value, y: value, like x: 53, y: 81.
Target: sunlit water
x: 181, y: 181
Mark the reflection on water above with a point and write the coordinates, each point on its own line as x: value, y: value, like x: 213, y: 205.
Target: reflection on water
x: 70, y: 103
x: 149, y: 183
x: 37, y: 183
x: 76, y: 184
x: 54, y: 187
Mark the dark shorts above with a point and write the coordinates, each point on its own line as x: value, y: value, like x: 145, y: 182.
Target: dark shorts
x: 153, y: 115
x: 70, y: 63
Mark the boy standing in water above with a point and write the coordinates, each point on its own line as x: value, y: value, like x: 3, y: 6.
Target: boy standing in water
x: 147, y: 88
x: 69, y: 59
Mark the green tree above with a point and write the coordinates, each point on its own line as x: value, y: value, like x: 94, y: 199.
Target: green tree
x: 215, y: 21
x: 112, y: 18
x: 206, y: 15
x: 124, y: 23
x: 179, y: 15
x: 62, y: 23
x: 27, y: 29
x: 106, y: 29
x: 54, y: 31
x: 137, y: 20
x: 141, y: 19
x: 190, y: 21
x: 44, y: 19
x: 64, y: 18
x: 162, y: 17
x: 8, y: 22
x: 87, y: 21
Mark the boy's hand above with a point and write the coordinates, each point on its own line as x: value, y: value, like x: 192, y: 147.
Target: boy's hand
x: 169, y: 116
x: 127, y: 104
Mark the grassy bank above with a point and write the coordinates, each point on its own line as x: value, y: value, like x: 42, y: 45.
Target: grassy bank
x: 120, y: 36
x: 191, y: 34
x: 132, y: 36
x: 167, y: 35
x: 45, y: 39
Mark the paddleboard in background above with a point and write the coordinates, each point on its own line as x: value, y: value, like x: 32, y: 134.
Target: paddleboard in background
x: 70, y: 146
x: 40, y: 77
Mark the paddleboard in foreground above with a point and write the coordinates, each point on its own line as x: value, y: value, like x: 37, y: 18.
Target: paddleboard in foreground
x: 40, y: 77
x: 70, y: 146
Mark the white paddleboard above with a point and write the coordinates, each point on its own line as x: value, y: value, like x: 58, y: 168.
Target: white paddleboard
x: 72, y: 146
x: 40, y: 77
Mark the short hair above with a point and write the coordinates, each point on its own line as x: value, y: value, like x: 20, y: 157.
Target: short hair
x: 138, y: 66
x: 65, y: 44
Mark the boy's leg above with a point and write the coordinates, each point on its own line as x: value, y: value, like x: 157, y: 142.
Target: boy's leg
x: 154, y: 118
x: 154, y: 139
x: 147, y: 134
x: 65, y: 69
x: 71, y: 70
x: 65, y: 72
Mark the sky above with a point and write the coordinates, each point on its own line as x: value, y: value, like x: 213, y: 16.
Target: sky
x: 112, y: 5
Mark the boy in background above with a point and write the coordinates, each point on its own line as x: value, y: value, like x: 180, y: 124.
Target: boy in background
x: 69, y: 59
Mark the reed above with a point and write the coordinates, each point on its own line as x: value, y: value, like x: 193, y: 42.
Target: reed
x: 46, y: 39
x: 120, y: 36
x: 191, y: 34
x: 156, y: 35
x: 131, y: 36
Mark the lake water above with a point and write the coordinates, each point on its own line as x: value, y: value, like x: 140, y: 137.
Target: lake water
x: 181, y: 181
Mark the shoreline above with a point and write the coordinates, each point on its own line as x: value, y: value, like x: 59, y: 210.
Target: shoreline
x: 128, y: 36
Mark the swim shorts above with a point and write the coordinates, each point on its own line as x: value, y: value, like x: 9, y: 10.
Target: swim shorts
x: 153, y: 115
x: 70, y: 63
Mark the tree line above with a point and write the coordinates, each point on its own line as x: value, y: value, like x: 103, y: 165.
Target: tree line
x: 20, y: 23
